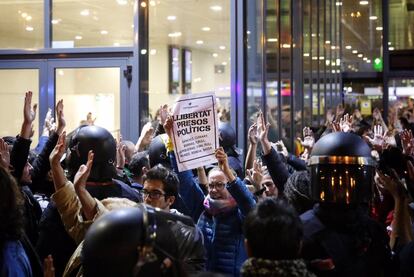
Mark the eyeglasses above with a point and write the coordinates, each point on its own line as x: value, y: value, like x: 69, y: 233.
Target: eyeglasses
x: 153, y: 194
x: 218, y: 186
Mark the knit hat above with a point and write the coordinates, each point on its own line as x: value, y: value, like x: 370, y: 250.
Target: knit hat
x: 297, y: 191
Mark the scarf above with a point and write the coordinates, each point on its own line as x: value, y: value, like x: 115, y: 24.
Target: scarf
x: 217, y: 206
x: 254, y: 267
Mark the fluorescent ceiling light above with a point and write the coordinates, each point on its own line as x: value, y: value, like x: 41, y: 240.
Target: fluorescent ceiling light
x: 354, y: 51
x: 348, y: 47
x: 222, y: 47
x: 216, y: 8
x: 215, y: 55
x: 378, y: 28
x: 373, y: 17
x: 205, y: 29
x: 84, y: 12
x: 122, y: 2
x: 174, y: 35
x: 104, y: 32
x: 272, y: 39
x: 29, y: 28
x: 171, y: 17
x: 199, y: 42
x: 363, y: 3
x: 78, y: 37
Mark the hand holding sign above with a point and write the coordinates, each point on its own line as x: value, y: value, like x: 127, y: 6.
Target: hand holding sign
x: 223, y: 163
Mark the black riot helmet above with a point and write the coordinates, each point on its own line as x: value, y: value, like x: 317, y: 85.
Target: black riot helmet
x: 342, y: 170
x: 103, y: 145
x: 130, y: 242
x: 157, y: 152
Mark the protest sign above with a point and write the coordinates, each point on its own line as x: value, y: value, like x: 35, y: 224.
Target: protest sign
x: 195, y: 130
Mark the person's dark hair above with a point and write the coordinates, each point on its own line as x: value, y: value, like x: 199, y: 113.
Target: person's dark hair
x: 273, y: 230
x: 11, y: 208
x: 404, y: 122
x: 393, y: 158
x: 138, y: 161
x: 166, y: 176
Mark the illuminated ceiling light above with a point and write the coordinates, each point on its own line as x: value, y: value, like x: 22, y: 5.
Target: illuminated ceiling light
x: 368, y: 61
x: 285, y: 45
x: 200, y: 42
x: 389, y: 43
x: 174, y: 35
x: 224, y: 63
x: 222, y: 47
x: 153, y: 51
x: 313, y: 35
x: 248, y: 32
x: 378, y: 28
x: 143, y: 4
x: 205, y: 29
x: 215, y: 55
x: 216, y: 8
x: 306, y: 54
x: 321, y: 58
x: 122, y: 2
x: 365, y: 58
x: 338, y: 62
x: 56, y: 21
x: 84, y: 12
x: 327, y: 62
x: 152, y: 3
x: 78, y: 37
x: 29, y: 28
x: 333, y: 47
x: 117, y: 44
x: 338, y: 3
x: 349, y: 47
x: 363, y: 3
x: 360, y: 55
x: 373, y: 17
x: 391, y: 48
x: 104, y: 32
x: 272, y: 40
x: 143, y: 51
x: 354, y: 51
x: 314, y: 58
x: 28, y: 18
x: 24, y: 15
x: 328, y: 42
x: 171, y: 17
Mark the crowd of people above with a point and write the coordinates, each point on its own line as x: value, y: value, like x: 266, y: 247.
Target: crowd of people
x: 82, y: 203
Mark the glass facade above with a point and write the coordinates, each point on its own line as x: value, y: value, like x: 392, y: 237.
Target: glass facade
x: 21, y: 24
x: 91, y: 24
x: 293, y: 60
x: 15, y: 82
x: 189, y: 52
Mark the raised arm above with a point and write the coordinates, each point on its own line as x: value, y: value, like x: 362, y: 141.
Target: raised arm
x: 237, y: 189
x: 251, y: 151
x: 21, y: 147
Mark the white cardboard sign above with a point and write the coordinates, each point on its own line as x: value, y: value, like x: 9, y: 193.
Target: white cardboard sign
x: 195, y: 130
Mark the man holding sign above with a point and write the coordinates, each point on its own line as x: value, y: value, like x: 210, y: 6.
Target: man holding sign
x: 195, y: 131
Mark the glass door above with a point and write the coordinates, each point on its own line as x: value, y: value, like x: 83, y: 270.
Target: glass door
x: 93, y: 92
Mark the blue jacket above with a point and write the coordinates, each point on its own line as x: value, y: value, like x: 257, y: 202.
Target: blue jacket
x: 223, y: 234
x: 15, y: 261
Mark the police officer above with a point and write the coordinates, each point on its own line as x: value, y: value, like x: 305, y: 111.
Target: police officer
x: 339, y: 237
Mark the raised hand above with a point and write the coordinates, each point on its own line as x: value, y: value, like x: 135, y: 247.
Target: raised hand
x: 145, y: 137
x: 308, y: 138
x: 82, y: 175
x: 57, y: 153
x: 262, y: 133
x: 163, y: 114
x: 345, y: 123
x: 49, y: 125
x: 379, y: 140
x: 393, y: 184
x: 168, y: 126
x: 29, y: 111
x: 29, y: 114
x: 120, y: 154
x: 407, y: 142
x: 61, y: 122
x: 280, y: 147
x: 4, y: 155
x: 89, y: 119
x: 48, y: 267
x: 252, y: 134
x: 223, y: 163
